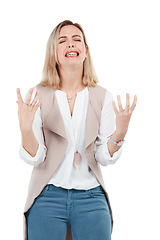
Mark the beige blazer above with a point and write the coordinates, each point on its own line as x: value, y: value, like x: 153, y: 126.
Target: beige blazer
x: 56, y: 142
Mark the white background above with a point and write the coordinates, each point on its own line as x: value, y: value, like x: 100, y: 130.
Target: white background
x: 124, y: 41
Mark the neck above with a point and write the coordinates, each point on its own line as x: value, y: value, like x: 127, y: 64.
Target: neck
x: 71, y: 79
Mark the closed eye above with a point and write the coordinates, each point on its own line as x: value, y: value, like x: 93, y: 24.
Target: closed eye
x: 74, y: 40
x: 61, y: 42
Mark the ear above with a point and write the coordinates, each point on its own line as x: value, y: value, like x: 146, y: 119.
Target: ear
x: 87, y: 50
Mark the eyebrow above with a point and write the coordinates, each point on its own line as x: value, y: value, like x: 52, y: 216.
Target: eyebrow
x: 72, y: 36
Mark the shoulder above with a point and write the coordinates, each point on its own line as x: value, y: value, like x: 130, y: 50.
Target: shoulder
x: 108, y: 94
x: 98, y: 89
x: 97, y: 92
x: 44, y: 88
x: 101, y: 91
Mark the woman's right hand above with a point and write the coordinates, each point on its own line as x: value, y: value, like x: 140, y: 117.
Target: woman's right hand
x: 27, y: 110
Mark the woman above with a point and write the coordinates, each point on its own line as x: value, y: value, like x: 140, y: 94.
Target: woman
x: 68, y: 128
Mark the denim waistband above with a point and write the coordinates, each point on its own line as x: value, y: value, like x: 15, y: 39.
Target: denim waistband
x: 53, y: 187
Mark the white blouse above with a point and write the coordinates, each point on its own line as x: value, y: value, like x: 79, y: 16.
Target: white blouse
x: 67, y: 176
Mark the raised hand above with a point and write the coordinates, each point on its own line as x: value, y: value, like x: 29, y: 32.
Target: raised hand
x: 27, y: 110
x: 123, y: 116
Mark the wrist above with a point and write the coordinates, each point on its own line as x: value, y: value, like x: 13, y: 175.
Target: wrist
x: 26, y: 131
x: 118, y: 136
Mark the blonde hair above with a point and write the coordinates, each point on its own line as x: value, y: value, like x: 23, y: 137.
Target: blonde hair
x: 50, y: 73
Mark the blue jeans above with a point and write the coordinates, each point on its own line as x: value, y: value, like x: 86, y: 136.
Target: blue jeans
x: 86, y: 211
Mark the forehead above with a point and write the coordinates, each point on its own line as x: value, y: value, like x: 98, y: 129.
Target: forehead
x: 70, y: 30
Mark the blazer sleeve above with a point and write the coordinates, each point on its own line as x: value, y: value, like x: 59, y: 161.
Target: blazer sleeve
x: 106, y: 129
x: 37, y: 129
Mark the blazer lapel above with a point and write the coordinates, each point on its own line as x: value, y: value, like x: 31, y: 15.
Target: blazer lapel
x: 92, y: 124
x: 54, y: 121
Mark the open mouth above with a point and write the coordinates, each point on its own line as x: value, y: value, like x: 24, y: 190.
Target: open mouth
x: 72, y: 54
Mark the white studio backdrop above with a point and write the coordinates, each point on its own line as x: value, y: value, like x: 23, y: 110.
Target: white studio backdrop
x: 123, y: 38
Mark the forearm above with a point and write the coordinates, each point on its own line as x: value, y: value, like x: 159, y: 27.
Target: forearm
x: 112, y: 148
x: 29, y: 142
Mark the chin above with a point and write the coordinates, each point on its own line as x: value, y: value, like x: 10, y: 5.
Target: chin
x: 74, y: 63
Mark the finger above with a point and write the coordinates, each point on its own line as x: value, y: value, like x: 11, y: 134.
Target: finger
x: 114, y: 107
x: 38, y: 104
x: 35, y: 98
x: 20, y: 100
x: 134, y: 103
x: 127, y: 102
x: 119, y: 103
x: 29, y: 96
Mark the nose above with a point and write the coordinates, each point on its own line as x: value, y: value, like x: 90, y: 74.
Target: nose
x: 71, y: 45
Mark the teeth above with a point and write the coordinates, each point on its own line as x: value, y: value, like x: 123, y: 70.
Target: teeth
x: 71, y: 54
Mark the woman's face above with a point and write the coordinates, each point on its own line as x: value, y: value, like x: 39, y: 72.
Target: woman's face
x: 71, y: 49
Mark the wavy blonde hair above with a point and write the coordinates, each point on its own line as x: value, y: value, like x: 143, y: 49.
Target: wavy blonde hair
x: 50, y: 73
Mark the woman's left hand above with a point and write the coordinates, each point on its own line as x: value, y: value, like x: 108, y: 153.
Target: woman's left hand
x: 123, y: 116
